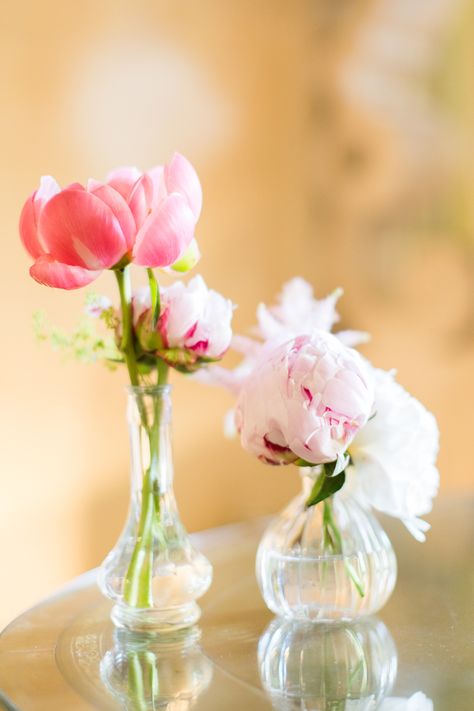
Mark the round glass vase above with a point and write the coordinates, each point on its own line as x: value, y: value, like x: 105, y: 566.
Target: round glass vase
x: 328, y: 562
x: 153, y: 574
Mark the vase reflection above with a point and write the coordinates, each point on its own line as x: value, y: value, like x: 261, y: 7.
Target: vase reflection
x: 144, y: 671
x: 309, y: 667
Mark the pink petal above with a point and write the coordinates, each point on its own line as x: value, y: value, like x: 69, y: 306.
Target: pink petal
x: 30, y: 214
x: 121, y: 210
x: 47, y: 189
x: 159, y: 188
x: 123, y: 180
x: 180, y: 177
x: 140, y: 199
x: 61, y: 276
x: 92, y: 184
x: 79, y: 229
x: 28, y: 231
x: 165, y: 234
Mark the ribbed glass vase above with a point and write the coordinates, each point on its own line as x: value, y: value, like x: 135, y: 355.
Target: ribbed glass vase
x: 153, y: 574
x: 331, y: 561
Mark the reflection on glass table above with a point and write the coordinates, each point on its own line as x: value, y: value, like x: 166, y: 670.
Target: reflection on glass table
x: 148, y: 672
x: 308, y: 667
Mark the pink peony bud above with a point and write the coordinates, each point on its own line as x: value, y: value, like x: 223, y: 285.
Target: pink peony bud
x: 306, y: 399
x: 194, y: 325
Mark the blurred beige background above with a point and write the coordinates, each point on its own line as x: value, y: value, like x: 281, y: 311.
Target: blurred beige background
x: 333, y: 140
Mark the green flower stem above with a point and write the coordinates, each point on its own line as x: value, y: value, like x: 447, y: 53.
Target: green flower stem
x: 136, y: 684
x: 138, y: 579
x: 155, y: 296
x: 137, y: 588
x: 143, y: 682
x: 331, y: 530
x: 332, y: 540
x: 162, y: 369
x: 127, y: 345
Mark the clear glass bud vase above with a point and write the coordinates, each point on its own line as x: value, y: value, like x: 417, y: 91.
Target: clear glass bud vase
x: 154, y: 574
x: 331, y: 561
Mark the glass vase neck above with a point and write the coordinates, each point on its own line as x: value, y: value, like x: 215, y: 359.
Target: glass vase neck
x: 155, y: 390
x: 149, y: 405
x: 149, y: 418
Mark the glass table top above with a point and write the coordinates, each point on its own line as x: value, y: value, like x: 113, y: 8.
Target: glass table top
x: 417, y: 655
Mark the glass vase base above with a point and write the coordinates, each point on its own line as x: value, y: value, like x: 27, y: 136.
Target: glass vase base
x: 158, y: 621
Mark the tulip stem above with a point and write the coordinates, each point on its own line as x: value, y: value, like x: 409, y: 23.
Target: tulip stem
x: 127, y: 345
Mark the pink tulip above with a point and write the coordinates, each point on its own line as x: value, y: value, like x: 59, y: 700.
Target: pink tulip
x: 306, y: 399
x: 76, y: 233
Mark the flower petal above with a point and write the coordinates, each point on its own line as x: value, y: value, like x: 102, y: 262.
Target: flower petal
x: 47, y: 189
x: 123, y: 180
x: 28, y: 231
x: 140, y: 199
x: 159, y: 188
x: 165, y: 234
x: 121, y: 210
x: 180, y: 177
x: 79, y: 229
x: 30, y: 214
x: 61, y: 276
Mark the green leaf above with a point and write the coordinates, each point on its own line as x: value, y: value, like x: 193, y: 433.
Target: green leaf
x: 338, y: 466
x: 325, y: 486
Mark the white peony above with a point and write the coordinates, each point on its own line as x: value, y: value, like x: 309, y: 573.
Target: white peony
x: 298, y: 312
x: 394, y: 456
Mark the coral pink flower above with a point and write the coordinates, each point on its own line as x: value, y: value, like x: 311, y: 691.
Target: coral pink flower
x: 76, y: 233
x: 305, y: 399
